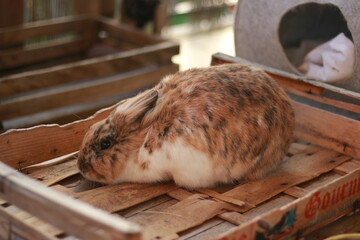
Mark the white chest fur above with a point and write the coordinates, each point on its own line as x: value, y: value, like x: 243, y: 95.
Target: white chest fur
x: 187, y: 166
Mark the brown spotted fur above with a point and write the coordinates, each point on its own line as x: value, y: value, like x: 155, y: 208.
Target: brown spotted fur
x: 234, y: 113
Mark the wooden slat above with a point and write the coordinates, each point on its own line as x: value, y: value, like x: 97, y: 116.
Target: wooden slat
x: 234, y: 217
x: 71, y: 215
x: 296, y: 192
x: 186, y: 214
x: 22, y: 148
x: 88, y: 69
x: 127, y: 33
x: 18, y: 34
x: 42, y: 52
x: 327, y: 129
x: 118, y: 197
x: 11, y: 224
x: 84, y: 91
x: 221, y: 197
x: 347, y: 167
x: 131, y: 212
x: 231, y: 216
x: 310, y: 92
x: 289, y: 174
x: 66, y: 114
x: 53, y: 174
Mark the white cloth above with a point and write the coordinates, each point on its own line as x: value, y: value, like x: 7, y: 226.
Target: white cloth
x: 331, y: 62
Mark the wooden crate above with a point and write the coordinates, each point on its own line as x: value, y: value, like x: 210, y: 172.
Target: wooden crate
x: 58, y: 70
x: 319, y: 182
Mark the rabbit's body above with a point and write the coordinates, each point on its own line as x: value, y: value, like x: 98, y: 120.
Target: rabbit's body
x: 199, y: 127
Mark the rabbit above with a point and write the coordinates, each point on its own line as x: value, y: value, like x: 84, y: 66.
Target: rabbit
x: 200, y: 127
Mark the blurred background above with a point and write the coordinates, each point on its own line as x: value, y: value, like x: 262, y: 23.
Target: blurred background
x: 62, y: 60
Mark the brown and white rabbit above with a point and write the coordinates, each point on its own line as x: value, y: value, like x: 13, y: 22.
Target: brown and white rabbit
x: 199, y: 127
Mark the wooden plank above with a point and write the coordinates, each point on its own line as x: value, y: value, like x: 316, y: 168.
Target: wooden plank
x: 42, y: 226
x: 310, y: 92
x: 235, y: 217
x: 126, y: 33
x: 327, y: 129
x: 53, y: 174
x: 71, y: 215
x: 66, y: 114
x: 158, y: 209
x: 88, y: 69
x: 289, y: 174
x: 14, y: 227
x: 186, y: 214
x: 42, y: 52
x: 118, y: 197
x: 221, y: 197
x: 84, y: 91
x: 25, y: 147
x: 210, y: 233
x: 19, y: 34
x: 296, y: 192
x: 231, y: 216
x: 347, y: 167
x: 151, y: 204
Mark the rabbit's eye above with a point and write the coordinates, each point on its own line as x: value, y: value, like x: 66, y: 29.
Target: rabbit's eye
x: 105, y: 144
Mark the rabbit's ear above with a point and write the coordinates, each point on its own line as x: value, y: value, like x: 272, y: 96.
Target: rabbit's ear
x: 140, y: 106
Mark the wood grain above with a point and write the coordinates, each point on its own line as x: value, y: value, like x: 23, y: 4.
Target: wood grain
x: 25, y: 147
x: 54, y: 49
x: 88, y: 69
x: 10, y: 223
x: 327, y: 129
x: 114, y: 198
x: 181, y: 216
x: 20, y: 33
x: 287, y: 175
x: 53, y: 174
x: 84, y: 92
x: 71, y: 215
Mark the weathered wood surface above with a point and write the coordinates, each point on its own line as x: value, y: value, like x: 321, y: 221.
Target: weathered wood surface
x: 20, y: 33
x: 195, y: 210
x: 71, y: 216
x: 22, y: 148
x: 160, y: 53
x: 167, y: 211
x: 31, y: 55
x: 327, y: 129
x: 75, y: 93
x: 127, y: 33
x: 13, y: 225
